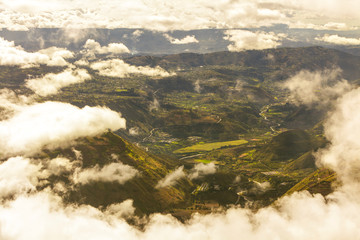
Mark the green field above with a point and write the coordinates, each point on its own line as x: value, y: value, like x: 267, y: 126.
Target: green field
x: 204, y: 147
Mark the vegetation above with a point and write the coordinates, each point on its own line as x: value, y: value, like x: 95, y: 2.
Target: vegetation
x: 225, y: 108
x: 204, y: 147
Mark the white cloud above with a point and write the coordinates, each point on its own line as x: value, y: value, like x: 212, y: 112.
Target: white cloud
x: 175, y: 14
x: 336, y: 39
x: 134, y: 131
x: 18, y: 175
x: 301, y: 216
x: 259, y: 188
x: 137, y: 33
x: 34, y: 6
x: 342, y: 129
x: 55, y: 53
x: 56, y: 221
x: 53, y: 124
x: 94, y: 47
x: 154, y: 105
x: 201, y: 169
x: 239, y: 85
x: 118, y: 68
x: 319, y: 87
x: 171, y: 178
x: 51, y: 83
x: 197, y: 86
x: 186, y: 40
x: 10, y: 102
x: 113, y: 172
x: 59, y: 165
x: 78, y: 154
x: 244, y: 40
x: 82, y: 62
x: 334, y: 26
x: 338, y: 26
x: 17, y: 27
x: 16, y: 55
x: 121, y: 210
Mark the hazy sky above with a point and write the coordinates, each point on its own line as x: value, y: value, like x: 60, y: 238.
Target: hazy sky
x: 179, y: 14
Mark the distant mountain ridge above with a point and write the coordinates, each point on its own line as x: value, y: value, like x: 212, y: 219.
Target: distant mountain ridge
x: 147, y: 42
x: 310, y: 58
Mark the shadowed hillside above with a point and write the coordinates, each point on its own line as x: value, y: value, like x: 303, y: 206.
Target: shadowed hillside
x: 101, y: 151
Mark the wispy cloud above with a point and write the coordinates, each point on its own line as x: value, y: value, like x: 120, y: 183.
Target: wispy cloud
x: 318, y: 87
x: 201, y: 169
x: 113, y: 172
x: 198, y: 171
x: 171, y: 178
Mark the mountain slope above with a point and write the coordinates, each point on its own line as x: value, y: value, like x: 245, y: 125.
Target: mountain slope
x: 109, y: 148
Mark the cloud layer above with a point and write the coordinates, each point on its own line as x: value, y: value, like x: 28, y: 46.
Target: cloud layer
x: 176, y: 14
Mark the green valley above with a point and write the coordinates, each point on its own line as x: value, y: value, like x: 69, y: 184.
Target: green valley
x: 227, y: 109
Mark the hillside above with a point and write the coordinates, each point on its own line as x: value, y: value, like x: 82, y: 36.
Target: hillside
x: 101, y: 151
x: 293, y: 59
